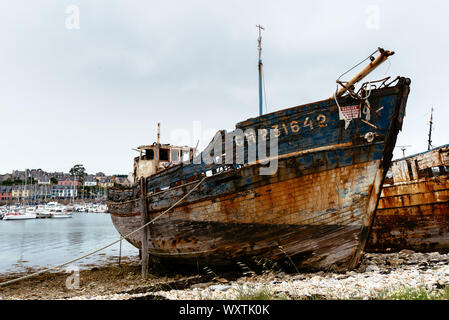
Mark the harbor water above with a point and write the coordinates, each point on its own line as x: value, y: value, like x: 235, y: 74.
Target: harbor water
x: 41, y: 243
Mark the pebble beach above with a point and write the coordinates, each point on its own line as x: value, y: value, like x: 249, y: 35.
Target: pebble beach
x: 378, y: 276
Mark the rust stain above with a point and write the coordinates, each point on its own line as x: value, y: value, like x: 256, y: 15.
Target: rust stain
x: 413, y: 212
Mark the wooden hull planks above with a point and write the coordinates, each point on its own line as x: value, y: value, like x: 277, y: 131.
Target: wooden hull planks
x: 413, y: 211
x: 314, y: 212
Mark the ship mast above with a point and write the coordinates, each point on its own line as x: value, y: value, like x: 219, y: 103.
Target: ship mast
x: 157, y: 149
x: 259, y: 47
x: 25, y: 189
x: 429, y: 146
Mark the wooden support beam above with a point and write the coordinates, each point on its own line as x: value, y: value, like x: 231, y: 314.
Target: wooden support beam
x: 145, y: 219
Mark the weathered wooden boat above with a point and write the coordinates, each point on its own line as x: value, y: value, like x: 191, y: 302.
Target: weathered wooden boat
x: 313, y: 212
x: 413, y: 211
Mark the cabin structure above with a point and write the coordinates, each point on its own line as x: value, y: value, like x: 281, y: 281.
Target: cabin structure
x: 425, y: 165
x: 156, y: 157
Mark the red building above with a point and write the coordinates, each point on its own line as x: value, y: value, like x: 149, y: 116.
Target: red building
x: 69, y: 181
x: 5, y: 193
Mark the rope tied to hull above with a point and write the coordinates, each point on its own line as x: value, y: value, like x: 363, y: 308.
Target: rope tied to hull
x: 105, y: 247
x: 341, y: 115
x: 366, y: 109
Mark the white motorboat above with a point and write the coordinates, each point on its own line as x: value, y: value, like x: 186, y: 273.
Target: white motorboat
x: 103, y: 208
x: 19, y: 215
x: 43, y: 212
x: 60, y: 213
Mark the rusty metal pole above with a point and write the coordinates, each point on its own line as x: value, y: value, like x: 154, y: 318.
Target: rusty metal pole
x: 120, y: 253
x: 157, y: 148
x: 384, y: 54
x: 429, y: 145
x: 145, y: 219
x: 259, y: 40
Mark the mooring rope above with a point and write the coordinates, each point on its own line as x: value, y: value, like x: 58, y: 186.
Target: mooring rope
x: 107, y: 246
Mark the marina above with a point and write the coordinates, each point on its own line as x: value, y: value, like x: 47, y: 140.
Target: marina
x: 48, y: 210
x: 40, y: 243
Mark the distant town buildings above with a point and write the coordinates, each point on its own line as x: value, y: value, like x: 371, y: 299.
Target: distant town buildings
x: 44, y: 180
x: 41, y: 185
x: 90, y: 181
x: 61, y: 192
x: 19, y: 191
x: 5, y: 193
x: 69, y: 181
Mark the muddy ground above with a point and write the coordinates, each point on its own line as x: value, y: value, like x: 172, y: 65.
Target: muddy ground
x: 376, y: 277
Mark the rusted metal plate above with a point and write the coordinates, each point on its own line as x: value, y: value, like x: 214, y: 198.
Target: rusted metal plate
x: 413, y: 212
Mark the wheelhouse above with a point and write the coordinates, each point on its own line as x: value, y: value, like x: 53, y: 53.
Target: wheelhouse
x: 156, y: 157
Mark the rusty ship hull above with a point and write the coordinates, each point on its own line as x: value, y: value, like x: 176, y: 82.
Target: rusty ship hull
x: 314, y: 212
x: 413, y: 212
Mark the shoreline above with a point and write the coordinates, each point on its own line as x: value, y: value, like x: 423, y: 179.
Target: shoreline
x: 102, y: 259
x: 379, y: 276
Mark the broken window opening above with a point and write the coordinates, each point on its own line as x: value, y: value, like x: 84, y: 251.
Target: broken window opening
x: 163, y: 154
x: 174, y: 155
x: 149, y: 154
x: 410, y: 171
x: 425, y: 173
x: 185, y: 156
x: 389, y: 177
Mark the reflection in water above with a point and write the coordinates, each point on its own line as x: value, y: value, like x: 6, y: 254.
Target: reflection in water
x: 48, y: 242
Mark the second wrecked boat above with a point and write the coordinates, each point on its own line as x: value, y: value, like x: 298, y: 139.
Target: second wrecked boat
x: 413, y: 211
x: 313, y: 212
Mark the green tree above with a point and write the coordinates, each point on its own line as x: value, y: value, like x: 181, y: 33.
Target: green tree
x: 9, y: 182
x: 79, y: 172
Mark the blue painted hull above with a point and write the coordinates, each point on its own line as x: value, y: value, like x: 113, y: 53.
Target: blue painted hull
x: 320, y: 203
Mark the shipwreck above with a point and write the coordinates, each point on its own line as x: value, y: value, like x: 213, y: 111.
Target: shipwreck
x: 313, y: 211
x: 413, y: 212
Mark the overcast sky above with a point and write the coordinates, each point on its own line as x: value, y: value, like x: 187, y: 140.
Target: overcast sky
x: 90, y: 94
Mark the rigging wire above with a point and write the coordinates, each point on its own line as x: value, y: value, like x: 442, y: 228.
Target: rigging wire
x: 369, y: 57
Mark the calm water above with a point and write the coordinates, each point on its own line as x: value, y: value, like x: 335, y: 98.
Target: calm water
x: 41, y: 243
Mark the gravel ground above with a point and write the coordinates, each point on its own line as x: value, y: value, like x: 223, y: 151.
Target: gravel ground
x: 376, y: 275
